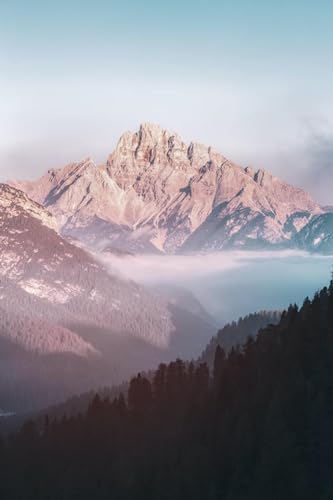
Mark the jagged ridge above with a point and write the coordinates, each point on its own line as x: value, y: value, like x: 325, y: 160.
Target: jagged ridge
x: 157, y: 193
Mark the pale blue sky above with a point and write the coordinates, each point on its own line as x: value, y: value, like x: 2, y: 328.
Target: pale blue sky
x: 252, y: 78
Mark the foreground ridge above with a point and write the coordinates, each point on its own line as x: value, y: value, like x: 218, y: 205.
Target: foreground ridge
x: 259, y: 426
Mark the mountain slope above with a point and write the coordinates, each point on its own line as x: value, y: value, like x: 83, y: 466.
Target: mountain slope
x: 37, y: 260
x: 317, y: 235
x: 157, y: 193
x: 65, y: 322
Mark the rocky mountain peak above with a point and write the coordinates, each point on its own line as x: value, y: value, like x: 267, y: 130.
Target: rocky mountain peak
x: 150, y: 145
x: 153, y: 130
x: 263, y: 177
x: 155, y: 191
x: 249, y: 171
x: 260, y: 176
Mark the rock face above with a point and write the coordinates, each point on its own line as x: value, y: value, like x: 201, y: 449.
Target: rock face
x: 156, y: 193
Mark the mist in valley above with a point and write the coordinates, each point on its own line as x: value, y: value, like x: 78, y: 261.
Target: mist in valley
x: 230, y: 284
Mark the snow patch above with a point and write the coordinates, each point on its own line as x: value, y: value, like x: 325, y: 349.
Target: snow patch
x: 52, y: 294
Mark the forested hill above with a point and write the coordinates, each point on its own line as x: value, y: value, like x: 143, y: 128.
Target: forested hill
x: 260, y: 426
x: 238, y: 332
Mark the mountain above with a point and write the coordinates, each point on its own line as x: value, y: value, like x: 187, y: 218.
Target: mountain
x: 317, y: 235
x: 183, y: 298
x: 40, y: 263
x: 66, y: 323
x: 155, y: 193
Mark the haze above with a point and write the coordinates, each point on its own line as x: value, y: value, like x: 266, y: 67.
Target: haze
x: 76, y: 75
x: 232, y: 284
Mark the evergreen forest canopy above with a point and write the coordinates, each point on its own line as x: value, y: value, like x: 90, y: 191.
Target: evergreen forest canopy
x: 259, y: 425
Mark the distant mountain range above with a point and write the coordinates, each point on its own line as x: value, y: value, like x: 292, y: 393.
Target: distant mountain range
x: 155, y: 193
x: 66, y: 324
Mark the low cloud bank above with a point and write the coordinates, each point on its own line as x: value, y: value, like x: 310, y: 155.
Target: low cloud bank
x: 231, y: 284
x: 170, y: 268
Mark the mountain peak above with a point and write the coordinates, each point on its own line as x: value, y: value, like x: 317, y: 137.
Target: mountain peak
x: 152, y: 128
x: 148, y: 136
x: 155, y: 191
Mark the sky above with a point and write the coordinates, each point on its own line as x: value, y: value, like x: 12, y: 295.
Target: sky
x: 252, y: 78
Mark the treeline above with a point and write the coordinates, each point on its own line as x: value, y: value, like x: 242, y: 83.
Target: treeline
x: 238, y: 332
x: 231, y: 335
x: 259, y: 426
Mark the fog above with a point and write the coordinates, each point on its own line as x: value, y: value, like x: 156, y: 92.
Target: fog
x: 231, y: 284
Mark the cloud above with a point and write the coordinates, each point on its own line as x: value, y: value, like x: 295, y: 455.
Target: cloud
x: 231, y: 284
x: 308, y: 162
x: 175, y: 268
x: 319, y: 173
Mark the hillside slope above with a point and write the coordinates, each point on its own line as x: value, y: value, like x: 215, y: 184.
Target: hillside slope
x: 259, y: 426
x: 65, y: 322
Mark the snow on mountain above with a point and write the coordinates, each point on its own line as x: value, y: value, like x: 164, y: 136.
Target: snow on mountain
x: 156, y: 193
x: 317, y: 235
x: 44, y: 265
x: 66, y: 323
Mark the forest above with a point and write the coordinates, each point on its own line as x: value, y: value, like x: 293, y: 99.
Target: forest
x: 258, y: 425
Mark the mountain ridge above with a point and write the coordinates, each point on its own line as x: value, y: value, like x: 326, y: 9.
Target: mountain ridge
x: 155, y: 193
x: 67, y: 323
